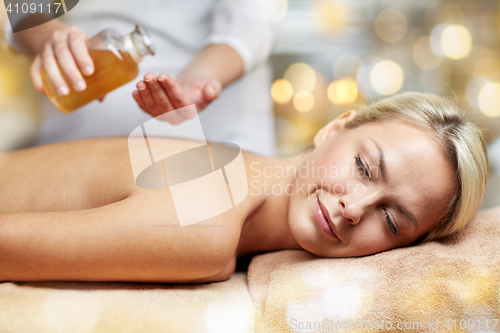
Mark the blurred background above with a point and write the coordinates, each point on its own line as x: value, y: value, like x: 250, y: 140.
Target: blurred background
x: 331, y: 55
x: 19, y: 113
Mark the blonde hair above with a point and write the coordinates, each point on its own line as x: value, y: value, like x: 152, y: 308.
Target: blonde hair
x: 462, y: 142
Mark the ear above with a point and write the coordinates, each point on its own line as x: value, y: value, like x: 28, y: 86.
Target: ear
x: 333, y: 127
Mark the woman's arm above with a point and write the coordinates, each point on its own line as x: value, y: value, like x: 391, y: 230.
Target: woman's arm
x: 199, y: 83
x: 238, y: 43
x: 131, y: 240
x: 218, y: 61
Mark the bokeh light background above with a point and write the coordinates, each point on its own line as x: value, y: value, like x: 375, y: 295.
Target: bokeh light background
x: 19, y: 102
x: 331, y: 55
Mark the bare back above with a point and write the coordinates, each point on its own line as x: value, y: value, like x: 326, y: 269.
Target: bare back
x: 67, y: 176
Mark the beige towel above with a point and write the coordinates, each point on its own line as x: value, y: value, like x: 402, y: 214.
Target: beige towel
x: 448, y: 284
x: 77, y: 307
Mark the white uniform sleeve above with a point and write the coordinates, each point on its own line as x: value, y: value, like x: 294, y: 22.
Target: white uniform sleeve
x: 7, y: 30
x: 252, y: 37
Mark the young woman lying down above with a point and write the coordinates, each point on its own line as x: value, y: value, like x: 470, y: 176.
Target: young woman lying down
x: 406, y: 169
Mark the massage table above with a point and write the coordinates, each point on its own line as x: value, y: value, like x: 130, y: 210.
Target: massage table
x: 448, y: 285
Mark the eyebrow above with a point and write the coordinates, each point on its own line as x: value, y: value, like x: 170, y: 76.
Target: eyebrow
x: 383, y: 170
x: 381, y: 159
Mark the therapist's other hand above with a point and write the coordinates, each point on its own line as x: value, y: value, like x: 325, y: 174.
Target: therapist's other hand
x: 68, y: 48
x: 162, y: 94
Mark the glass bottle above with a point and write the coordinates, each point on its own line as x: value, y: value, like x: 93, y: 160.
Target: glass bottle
x: 115, y: 61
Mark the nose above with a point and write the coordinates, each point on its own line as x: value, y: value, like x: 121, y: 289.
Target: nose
x: 354, y: 206
x: 349, y: 212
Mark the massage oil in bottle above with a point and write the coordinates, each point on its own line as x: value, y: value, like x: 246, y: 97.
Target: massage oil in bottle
x: 115, y: 60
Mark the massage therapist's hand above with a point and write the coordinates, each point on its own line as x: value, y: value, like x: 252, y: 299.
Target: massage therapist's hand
x: 68, y: 48
x: 158, y: 95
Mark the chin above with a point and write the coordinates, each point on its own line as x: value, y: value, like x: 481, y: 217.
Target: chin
x: 302, y: 225
x: 304, y: 232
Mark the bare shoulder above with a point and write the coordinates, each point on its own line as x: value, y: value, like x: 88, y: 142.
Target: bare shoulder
x: 208, y: 246
x: 207, y: 186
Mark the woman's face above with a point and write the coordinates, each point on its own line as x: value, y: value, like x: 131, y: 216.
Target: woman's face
x: 377, y: 186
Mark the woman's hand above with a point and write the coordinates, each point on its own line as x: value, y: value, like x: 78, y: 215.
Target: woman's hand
x: 68, y: 48
x: 162, y: 94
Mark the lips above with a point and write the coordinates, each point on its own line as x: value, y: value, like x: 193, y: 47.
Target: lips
x: 321, y: 216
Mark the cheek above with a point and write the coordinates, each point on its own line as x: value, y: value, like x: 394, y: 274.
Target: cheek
x: 300, y: 214
x: 303, y: 225
x: 370, y: 238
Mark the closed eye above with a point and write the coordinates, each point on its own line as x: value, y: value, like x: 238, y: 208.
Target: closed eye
x: 366, y: 174
x: 361, y: 167
x: 390, y: 223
